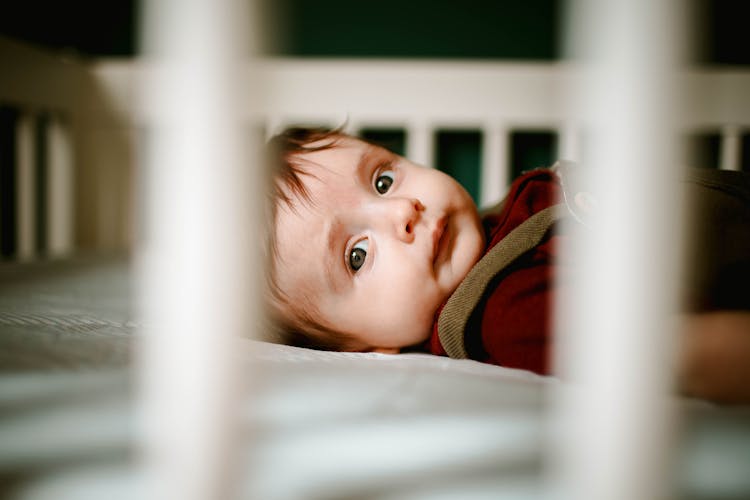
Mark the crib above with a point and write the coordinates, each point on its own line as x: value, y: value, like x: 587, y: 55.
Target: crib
x: 311, y: 424
x: 103, y: 125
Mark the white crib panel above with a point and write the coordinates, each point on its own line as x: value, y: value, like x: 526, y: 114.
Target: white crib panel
x: 25, y: 184
x: 420, y: 143
x: 392, y: 90
x: 272, y: 125
x: 60, y: 188
x: 614, y: 424
x: 569, y: 140
x: 353, y: 126
x: 713, y: 98
x: 730, y: 154
x: 38, y: 79
x: 199, y: 270
x: 495, y: 174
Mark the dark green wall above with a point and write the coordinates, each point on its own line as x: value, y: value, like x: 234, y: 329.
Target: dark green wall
x: 459, y: 154
x: 87, y: 27
x: 485, y: 29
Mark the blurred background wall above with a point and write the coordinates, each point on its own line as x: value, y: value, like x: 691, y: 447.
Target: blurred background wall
x: 490, y: 29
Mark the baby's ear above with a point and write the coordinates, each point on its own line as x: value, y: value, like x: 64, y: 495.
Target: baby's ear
x: 387, y: 350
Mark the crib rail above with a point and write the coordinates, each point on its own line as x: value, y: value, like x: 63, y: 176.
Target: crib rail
x: 423, y: 97
x: 85, y: 128
x: 40, y: 122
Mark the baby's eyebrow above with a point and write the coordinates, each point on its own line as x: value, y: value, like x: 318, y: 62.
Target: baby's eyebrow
x: 360, y: 170
x: 371, y: 155
x: 332, y: 269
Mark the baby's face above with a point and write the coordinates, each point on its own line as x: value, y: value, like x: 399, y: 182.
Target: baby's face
x: 379, y: 246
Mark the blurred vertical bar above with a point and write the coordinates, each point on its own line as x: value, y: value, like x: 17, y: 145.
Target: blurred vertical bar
x: 731, y: 148
x: 60, y: 184
x: 420, y: 145
x: 41, y: 179
x: 196, y: 265
x: 570, y: 142
x: 495, y: 164
x: 25, y: 182
x: 615, y: 340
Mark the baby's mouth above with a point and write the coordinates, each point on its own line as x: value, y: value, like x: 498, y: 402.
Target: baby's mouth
x: 439, y: 239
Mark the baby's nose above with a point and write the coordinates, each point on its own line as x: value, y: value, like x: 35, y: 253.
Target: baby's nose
x: 406, y: 214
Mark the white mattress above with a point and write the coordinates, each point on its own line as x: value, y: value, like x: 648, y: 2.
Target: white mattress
x: 319, y: 424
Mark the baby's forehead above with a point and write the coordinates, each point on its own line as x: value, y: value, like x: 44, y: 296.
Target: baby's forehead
x: 329, y: 176
x: 299, y: 242
x: 344, y: 156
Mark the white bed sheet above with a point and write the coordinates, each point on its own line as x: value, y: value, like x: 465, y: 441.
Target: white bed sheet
x: 316, y: 424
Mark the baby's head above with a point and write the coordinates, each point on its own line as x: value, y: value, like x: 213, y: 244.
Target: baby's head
x: 366, y: 245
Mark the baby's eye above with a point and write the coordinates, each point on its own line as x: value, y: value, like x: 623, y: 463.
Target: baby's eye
x: 384, y: 181
x: 358, y: 255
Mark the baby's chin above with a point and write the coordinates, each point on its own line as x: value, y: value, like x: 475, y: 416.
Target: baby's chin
x: 418, y: 332
x: 419, y: 339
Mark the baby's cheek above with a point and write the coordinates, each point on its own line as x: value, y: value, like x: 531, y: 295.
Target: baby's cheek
x: 427, y: 310
x: 396, y: 319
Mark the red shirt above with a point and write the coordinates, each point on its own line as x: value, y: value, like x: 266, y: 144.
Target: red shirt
x: 512, y: 324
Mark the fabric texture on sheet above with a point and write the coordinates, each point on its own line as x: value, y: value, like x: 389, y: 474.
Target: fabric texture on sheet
x: 72, y: 314
x: 314, y: 424
x: 326, y: 424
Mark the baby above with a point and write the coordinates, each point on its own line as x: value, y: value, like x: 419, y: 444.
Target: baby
x: 367, y: 247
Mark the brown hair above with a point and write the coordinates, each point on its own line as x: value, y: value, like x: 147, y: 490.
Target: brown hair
x: 294, y: 320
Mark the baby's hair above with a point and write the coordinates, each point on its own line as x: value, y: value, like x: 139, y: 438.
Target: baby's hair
x: 295, y: 319
x: 284, y: 151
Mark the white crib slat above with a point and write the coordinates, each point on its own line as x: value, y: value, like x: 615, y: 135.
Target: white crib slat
x: 420, y: 143
x: 59, y: 188
x: 730, y: 153
x: 570, y: 142
x: 616, y: 419
x: 25, y: 182
x: 495, y: 164
x: 352, y: 127
x: 197, y: 259
x: 273, y: 125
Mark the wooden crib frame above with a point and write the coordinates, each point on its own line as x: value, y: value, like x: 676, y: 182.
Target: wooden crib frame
x: 96, y: 123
